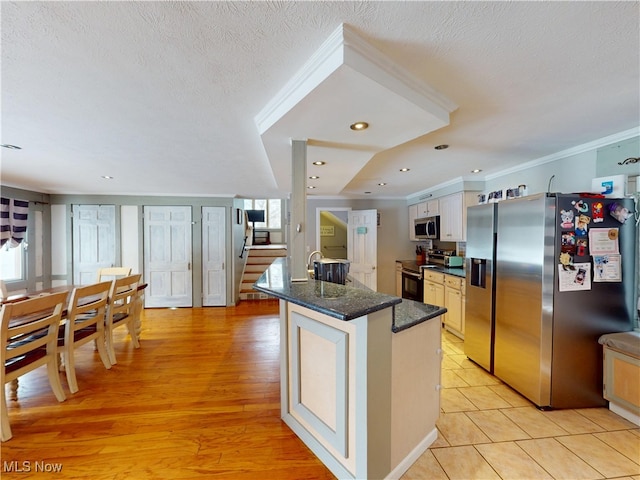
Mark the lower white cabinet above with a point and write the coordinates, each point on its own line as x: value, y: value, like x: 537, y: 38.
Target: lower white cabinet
x: 447, y: 291
x: 434, y: 288
x: 454, y: 302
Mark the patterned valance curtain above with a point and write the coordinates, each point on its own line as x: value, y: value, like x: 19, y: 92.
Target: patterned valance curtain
x: 13, y: 221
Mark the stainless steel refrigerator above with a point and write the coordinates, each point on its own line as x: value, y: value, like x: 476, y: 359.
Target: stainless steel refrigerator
x: 532, y: 322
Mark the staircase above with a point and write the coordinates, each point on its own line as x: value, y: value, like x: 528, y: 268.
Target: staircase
x: 259, y: 257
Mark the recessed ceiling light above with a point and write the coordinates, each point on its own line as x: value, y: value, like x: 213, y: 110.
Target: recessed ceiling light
x: 107, y: 177
x: 314, y: 177
x: 311, y: 186
x: 10, y: 147
x: 476, y: 170
x: 405, y: 169
x: 382, y: 184
x: 319, y: 163
x: 359, y: 126
x: 441, y: 147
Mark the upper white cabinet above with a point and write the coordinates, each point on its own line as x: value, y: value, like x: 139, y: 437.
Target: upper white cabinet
x: 413, y: 214
x: 428, y: 209
x: 453, y: 216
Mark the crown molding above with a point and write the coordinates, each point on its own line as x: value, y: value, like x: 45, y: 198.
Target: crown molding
x: 585, y: 147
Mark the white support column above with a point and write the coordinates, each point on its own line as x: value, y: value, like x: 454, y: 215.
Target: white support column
x: 298, y: 205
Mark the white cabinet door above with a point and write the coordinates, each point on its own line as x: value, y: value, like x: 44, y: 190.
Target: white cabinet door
x: 413, y: 214
x: 451, y: 218
x: 167, y: 256
x: 94, y: 241
x: 433, y: 208
x: 454, y: 305
x: 214, y: 282
x: 433, y: 293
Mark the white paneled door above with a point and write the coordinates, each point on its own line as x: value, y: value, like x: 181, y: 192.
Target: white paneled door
x: 167, y: 256
x: 214, y: 281
x: 362, y: 246
x: 94, y: 241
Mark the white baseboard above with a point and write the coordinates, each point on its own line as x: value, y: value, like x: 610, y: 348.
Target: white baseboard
x: 624, y: 413
x: 410, y: 459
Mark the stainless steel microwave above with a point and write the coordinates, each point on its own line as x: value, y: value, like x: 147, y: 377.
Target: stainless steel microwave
x: 428, y: 227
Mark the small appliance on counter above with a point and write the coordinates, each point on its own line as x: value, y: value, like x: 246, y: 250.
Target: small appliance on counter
x: 446, y: 258
x: 331, y: 270
x: 453, y: 262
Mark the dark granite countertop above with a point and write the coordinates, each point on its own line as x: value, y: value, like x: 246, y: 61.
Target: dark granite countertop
x: 410, y: 313
x: 344, y: 302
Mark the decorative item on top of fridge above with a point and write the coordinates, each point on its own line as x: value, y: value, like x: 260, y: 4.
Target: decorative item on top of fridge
x: 613, y: 186
x: 499, y: 195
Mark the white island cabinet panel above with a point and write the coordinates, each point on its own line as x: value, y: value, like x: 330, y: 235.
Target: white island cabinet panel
x: 359, y: 373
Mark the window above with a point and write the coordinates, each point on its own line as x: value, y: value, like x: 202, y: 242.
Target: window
x: 272, y: 208
x: 12, y: 263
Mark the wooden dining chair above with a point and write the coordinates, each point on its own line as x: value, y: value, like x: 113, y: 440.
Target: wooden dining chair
x: 3, y: 290
x: 111, y: 273
x: 85, y: 322
x: 138, y: 307
x: 29, y: 339
x: 121, y: 311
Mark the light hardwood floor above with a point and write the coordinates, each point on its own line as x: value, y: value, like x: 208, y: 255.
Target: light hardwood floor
x: 200, y: 399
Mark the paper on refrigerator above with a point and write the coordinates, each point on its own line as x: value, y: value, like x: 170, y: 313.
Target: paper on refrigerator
x: 603, y: 241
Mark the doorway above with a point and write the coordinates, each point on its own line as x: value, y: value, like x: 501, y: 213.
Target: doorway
x: 359, y: 244
x: 331, y: 232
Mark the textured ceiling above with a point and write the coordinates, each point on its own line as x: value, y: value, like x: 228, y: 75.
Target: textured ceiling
x: 163, y: 96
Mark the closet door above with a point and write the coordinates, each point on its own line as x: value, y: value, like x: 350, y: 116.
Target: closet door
x: 214, y: 280
x: 94, y: 241
x: 168, y: 256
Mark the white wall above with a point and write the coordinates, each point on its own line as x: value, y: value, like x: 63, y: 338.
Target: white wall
x: 130, y: 221
x: 570, y: 174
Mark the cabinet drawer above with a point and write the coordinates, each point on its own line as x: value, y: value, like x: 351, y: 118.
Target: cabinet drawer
x: 434, y: 276
x: 453, y: 282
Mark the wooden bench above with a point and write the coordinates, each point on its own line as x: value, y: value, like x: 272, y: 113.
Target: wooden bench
x: 622, y: 373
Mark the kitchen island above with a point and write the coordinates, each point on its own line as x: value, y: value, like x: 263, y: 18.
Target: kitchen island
x: 359, y: 373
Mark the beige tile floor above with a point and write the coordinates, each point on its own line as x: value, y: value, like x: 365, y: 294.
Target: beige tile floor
x: 488, y: 431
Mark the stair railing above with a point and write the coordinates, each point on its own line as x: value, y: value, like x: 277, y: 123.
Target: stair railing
x: 244, y: 245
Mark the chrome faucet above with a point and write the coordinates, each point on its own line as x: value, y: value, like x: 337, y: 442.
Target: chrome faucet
x: 315, y: 252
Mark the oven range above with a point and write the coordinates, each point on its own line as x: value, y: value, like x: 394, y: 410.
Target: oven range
x: 412, y: 285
